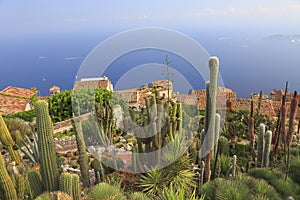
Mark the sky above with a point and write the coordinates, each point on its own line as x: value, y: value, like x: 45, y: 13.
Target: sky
x: 225, y: 28
x: 34, y: 17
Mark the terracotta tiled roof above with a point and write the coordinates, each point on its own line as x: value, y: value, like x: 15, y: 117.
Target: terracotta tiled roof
x: 245, y: 104
x: 19, y: 92
x: 10, y: 104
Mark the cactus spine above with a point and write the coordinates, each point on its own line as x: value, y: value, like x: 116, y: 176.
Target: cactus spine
x: 268, y: 141
x: 48, y: 165
x: 7, y: 140
x: 6, y: 184
x: 260, y: 145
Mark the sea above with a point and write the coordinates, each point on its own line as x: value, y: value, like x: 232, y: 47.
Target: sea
x: 248, y: 62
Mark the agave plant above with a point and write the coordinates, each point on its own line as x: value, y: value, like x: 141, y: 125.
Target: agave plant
x: 105, y: 191
x: 179, y: 174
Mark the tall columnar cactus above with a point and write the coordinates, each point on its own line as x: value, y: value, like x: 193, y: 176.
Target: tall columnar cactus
x: 48, y: 165
x: 261, y: 145
x: 233, y: 164
x: 20, y: 183
x: 7, y: 141
x: 211, y: 112
x: 268, y: 141
x: 83, y: 158
x: 6, y: 184
x: 35, y: 182
x: 293, y: 112
x: 251, y: 128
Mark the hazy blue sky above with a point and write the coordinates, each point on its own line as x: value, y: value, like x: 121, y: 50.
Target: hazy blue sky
x: 35, y: 16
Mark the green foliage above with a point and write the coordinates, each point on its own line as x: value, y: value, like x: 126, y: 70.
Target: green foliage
x: 27, y: 116
x: 171, y: 194
x: 45, y: 196
x: 178, y: 174
x: 105, y: 191
x: 139, y: 196
x: 225, y: 163
x: 233, y: 190
x: 276, y: 179
x: 224, y: 146
x: 239, y: 187
x: 60, y: 106
x: 69, y: 184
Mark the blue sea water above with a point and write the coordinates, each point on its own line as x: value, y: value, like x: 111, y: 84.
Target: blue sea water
x: 248, y: 63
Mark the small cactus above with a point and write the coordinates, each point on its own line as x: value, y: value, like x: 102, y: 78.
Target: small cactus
x: 233, y: 163
x: 35, y: 182
x: 268, y: 141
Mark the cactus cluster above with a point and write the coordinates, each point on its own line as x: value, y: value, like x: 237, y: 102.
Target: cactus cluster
x: 263, y: 147
x: 69, y: 184
x: 35, y: 182
x: 161, y: 120
x: 48, y: 165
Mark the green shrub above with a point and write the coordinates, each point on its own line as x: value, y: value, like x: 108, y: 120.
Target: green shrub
x: 25, y: 115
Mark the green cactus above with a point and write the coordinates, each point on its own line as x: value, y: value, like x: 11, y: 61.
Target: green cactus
x: 65, y: 183
x: 261, y: 145
x: 20, y: 186
x: 48, y: 165
x: 98, y: 169
x: 267, y: 150
x: 6, y: 184
x: 35, y: 182
x: 69, y: 184
x: 76, y: 187
x: 6, y: 139
x: 233, y: 165
x: 83, y: 158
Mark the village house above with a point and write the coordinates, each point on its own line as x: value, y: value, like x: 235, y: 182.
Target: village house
x: 54, y: 89
x: 102, y: 82
x: 15, y: 99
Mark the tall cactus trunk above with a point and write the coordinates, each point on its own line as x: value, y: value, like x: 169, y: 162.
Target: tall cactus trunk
x: 268, y: 142
x: 251, y: 128
x: 83, y: 157
x: 6, y: 184
x: 289, y: 139
x: 48, y: 165
x: 261, y: 145
x: 210, y: 133
x: 7, y: 141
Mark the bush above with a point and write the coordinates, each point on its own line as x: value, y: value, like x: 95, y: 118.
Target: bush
x: 27, y: 116
x: 276, y: 179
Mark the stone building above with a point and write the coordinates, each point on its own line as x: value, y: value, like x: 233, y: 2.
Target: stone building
x: 102, y: 82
